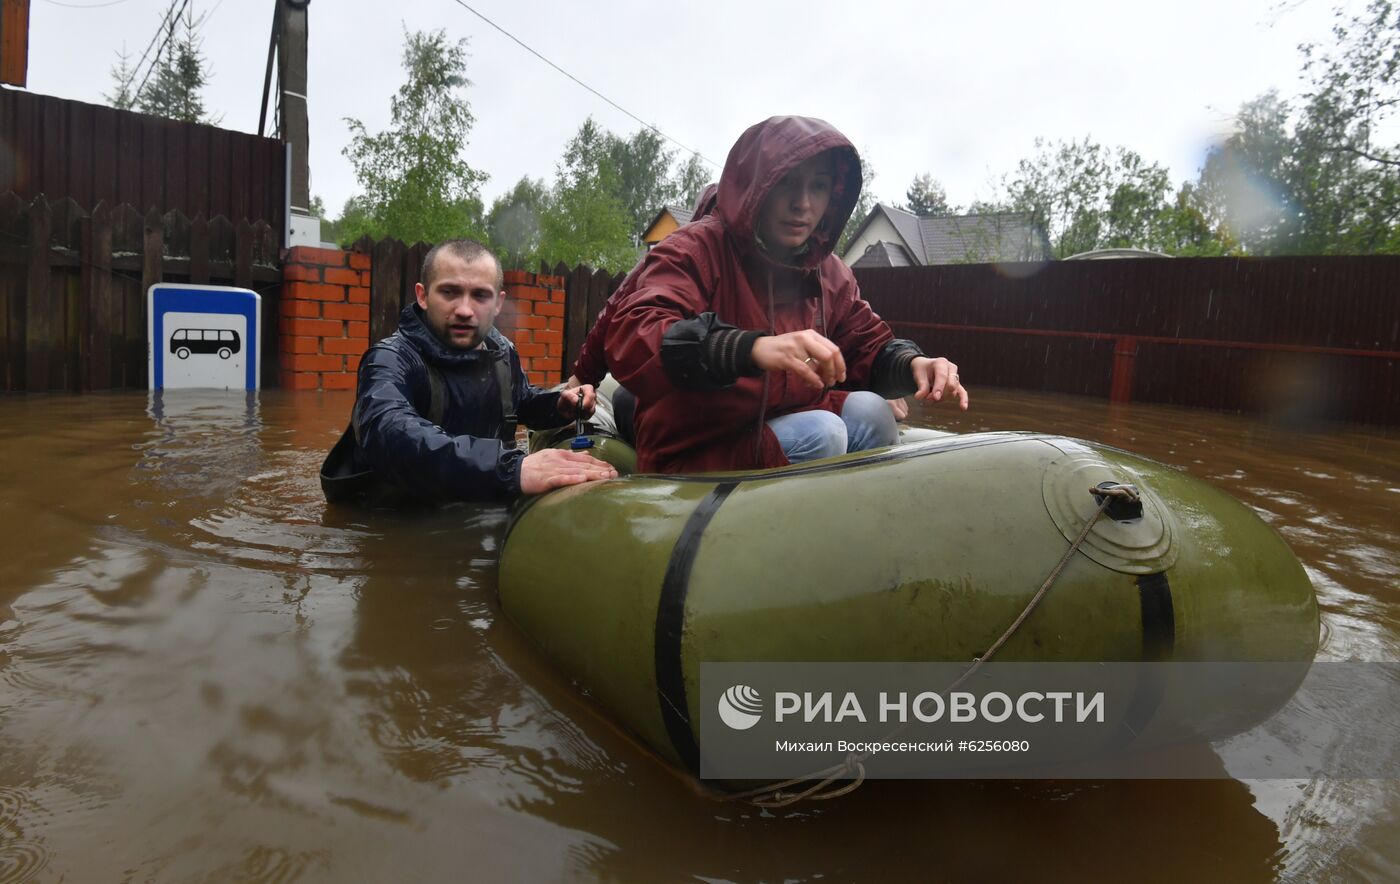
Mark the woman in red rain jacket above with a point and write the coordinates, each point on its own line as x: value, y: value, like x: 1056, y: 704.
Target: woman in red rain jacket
x: 734, y: 330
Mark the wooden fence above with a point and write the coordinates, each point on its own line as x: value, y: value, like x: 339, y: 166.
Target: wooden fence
x: 394, y: 271
x: 73, y: 287
x: 588, y: 290
x: 1310, y: 337
x: 1305, y: 338
x: 91, y: 154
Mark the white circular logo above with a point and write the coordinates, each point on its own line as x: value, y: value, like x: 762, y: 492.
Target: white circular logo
x: 740, y: 707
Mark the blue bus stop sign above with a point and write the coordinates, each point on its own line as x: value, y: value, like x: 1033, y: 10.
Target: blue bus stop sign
x: 203, y: 336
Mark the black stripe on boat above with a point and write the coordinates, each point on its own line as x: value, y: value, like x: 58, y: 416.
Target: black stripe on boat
x: 1158, y: 641
x: 670, y: 628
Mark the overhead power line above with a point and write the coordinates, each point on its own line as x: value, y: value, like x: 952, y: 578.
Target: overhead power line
x: 86, y: 5
x: 169, y: 34
x: 644, y: 123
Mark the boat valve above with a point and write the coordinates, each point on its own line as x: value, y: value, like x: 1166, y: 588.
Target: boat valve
x: 1124, y: 503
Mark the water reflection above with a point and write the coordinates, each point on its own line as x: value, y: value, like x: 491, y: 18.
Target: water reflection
x: 207, y: 675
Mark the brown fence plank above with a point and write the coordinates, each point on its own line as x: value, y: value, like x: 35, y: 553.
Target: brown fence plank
x: 127, y: 241
x: 80, y: 160
x: 128, y: 160
x: 152, y: 168
x: 65, y: 288
x: 14, y: 233
x: 577, y: 320
x: 175, y: 245
x: 39, y: 310
x: 386, y: 279
x: 221, y: 246
x: 243, y: 253
x: 199, y: 250
x: 177, y: 153
x: 104, y: 159
x: 53, y: 164
x: 265, y: 255
x: 197, y: 170
x: 152, y: 251
x: 97, y: 312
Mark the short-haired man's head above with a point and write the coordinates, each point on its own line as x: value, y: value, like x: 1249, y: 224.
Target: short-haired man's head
x: 467, y: 250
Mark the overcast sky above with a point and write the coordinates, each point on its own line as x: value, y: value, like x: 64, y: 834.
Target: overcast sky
x: 957, y: 90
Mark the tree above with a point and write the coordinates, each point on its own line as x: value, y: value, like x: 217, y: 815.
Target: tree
x: 1247, y: 184
x: 1087, y: 196
x: 585, y: 220
x: 864, y: 205
x: 513, y: 224
x: 1314, y: 177
x: 416, y: 184
x: 643, y: 168
x: 172, y: 86
x: 927, y: 198
x: 123, y: 75
x: 692, y: 178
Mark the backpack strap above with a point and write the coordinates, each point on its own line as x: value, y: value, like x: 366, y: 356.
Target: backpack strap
x: 509, y: 419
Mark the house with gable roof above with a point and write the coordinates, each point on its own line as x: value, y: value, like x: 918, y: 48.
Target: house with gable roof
x: 893, y: 237
x: 668, y: 219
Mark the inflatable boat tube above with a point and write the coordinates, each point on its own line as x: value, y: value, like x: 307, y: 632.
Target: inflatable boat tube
x: 926, y: 551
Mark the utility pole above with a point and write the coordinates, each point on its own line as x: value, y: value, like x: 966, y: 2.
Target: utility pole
x: 14, y: 42
x: 303, y: 229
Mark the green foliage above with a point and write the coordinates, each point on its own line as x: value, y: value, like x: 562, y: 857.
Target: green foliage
x: 606, y: 190
x: 1087, y: 196
x: 416, y: 184
x: 513, y: 224
x: 864, y: 204
x: 172, y: 88
x: 585, y: 220
x: 927, y: 198
x: 643, y: 183
x: 692, y: 178
x: 1315, y: 178
x: 122, y: 96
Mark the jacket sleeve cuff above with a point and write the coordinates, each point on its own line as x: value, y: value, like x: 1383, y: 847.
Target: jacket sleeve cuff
x: 704, y: 353
x: 892, y: 375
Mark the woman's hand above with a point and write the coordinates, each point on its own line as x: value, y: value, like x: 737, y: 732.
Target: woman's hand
x: 811, y: 357
x: 937, y: 380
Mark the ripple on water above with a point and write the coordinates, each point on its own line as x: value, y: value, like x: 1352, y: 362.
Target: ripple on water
x: 22, y: 861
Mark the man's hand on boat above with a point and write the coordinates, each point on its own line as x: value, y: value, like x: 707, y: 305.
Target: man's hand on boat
x: 568, y: 404
x: 555, y: 468
x: 938, y: 381
x: 810, y: 356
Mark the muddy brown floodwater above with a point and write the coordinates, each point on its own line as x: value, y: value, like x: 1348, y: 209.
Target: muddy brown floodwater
x: 206, y: 676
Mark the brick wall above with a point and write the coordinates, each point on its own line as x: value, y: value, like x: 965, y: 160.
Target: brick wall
x: 533, y: 318
x: 324, y: 325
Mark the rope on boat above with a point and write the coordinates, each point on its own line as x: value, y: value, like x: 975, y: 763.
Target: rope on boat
x: 775, y: 795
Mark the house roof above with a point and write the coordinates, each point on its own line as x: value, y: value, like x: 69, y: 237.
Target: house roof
x: 951, y: 239
x: 884, y: 254
x: 681, y: 216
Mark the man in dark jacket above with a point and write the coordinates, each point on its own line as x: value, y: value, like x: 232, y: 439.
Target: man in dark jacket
x: 437, y: 401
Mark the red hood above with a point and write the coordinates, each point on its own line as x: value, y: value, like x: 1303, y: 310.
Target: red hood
x: 705, y: 204
x: 769, y: 150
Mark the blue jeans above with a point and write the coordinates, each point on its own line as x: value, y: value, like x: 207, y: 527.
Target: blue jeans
x: 865, y: 422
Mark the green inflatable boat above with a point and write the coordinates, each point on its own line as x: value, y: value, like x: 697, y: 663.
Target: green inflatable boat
x: 926, y: 551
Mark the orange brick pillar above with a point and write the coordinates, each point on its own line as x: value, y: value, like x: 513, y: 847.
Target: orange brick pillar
x: 324, y: 325
x: 533, y: 318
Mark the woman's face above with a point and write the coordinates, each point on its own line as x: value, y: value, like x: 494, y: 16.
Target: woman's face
x: 794, y: 207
